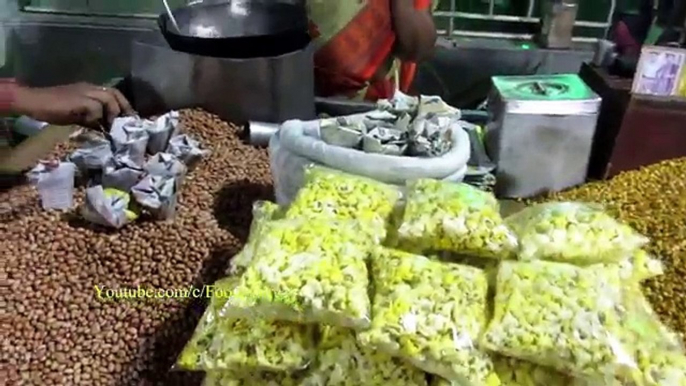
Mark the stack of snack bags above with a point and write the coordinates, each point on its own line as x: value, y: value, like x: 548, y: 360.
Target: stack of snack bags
x: 356, y: 284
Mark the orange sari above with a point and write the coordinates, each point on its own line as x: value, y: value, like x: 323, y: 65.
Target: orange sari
x: 355, y: 41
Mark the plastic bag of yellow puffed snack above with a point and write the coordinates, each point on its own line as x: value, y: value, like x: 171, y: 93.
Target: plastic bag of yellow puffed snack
x: 572, y: 232
x: 562, y: 316
x: 307, y: 271
x: 220, y: 343
x: 659, y: 351
x: 262, y: 213
x: 431, y: 314
x: 456, y: 217
x: 223, y: 378
x: 334, y: 194
x: 640, y: 266
x: 343, y: 362
x: 513, y: 372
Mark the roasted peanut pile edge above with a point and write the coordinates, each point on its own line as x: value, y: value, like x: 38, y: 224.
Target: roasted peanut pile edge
x: 56, y: 330
x: 653, y: 201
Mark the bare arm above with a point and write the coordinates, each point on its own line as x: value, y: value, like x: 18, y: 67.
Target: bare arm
x: 415, y: 31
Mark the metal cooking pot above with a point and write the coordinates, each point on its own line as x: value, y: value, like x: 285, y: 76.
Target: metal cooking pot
x: 238, y: 29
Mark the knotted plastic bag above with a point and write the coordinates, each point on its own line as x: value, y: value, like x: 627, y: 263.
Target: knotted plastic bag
x: 262, y: 213
x: 130, y: 136
x: 107, y: 207
x: 337, y: 195
x: 455, y: 217
x: 561, y: 316
x: 158, y: 194
x: 307, y: 270
x: 343, y: 362
x: 431, y: 314
x: 246, y: 345
x: 121, y: 173
x: 572, y: 232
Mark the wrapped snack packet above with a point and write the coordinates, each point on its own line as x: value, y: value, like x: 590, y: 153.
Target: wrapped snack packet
x: 245, y: 345
x: 343, y: 362
x: 157, y: 194
x: 224, y: 378
x: 262, y: 213
x: 334, y: 194
x: 130, y: 136
x: 166, y: 165
x: 308, y: 271
x: 456, y: 217
x: 431, y: 314
x: 572, y: 232
x: 107, y: 207
x: 562, y: 316
x: 121, y: 173
x: 55, y: 183
x: 161, y: 130
x: 93, y: 155
x: 187, y: 150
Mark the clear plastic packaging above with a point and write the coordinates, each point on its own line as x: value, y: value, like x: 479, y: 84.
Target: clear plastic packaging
x: 223, y: 378
x: 333, y: 194
x: 659, y: 351
x: 640, y: 266
x: 455, y: 217
x: 308, y: 271
x: 572, y: 232
x: 221, y: 343
x: 262, y: 213
x: 513, y: 372
x: 562, y: 316
x: 431, y: 314
x: 343, y: 362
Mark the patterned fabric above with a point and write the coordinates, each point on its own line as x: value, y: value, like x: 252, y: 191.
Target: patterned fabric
x: 354, y: 40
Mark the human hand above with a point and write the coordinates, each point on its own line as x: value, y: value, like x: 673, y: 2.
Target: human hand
x: 81, y: 104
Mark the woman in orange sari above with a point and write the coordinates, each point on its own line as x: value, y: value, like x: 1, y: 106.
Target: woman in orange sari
x: 367, y: 47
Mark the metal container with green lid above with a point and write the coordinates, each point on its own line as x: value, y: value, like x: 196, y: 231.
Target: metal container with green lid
x: 540, y: 132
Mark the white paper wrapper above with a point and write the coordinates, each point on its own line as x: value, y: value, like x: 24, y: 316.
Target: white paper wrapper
x: 187, y: 150
x: 122, y: 173
x: 161, y: 131
x: 166, y: 165
x: 93, y: 155
x: 157, y: 194
x: 130, y: 136
x: 55, y: 184
x: 107, y: 207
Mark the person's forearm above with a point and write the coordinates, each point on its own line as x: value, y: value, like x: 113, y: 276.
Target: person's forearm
x: 415, y: 31
x: 8, y: 97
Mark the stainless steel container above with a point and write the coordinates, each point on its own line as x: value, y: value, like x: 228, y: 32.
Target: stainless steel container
x: 272, y: 89
x: 557, y: 23
x: 540, y: 133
